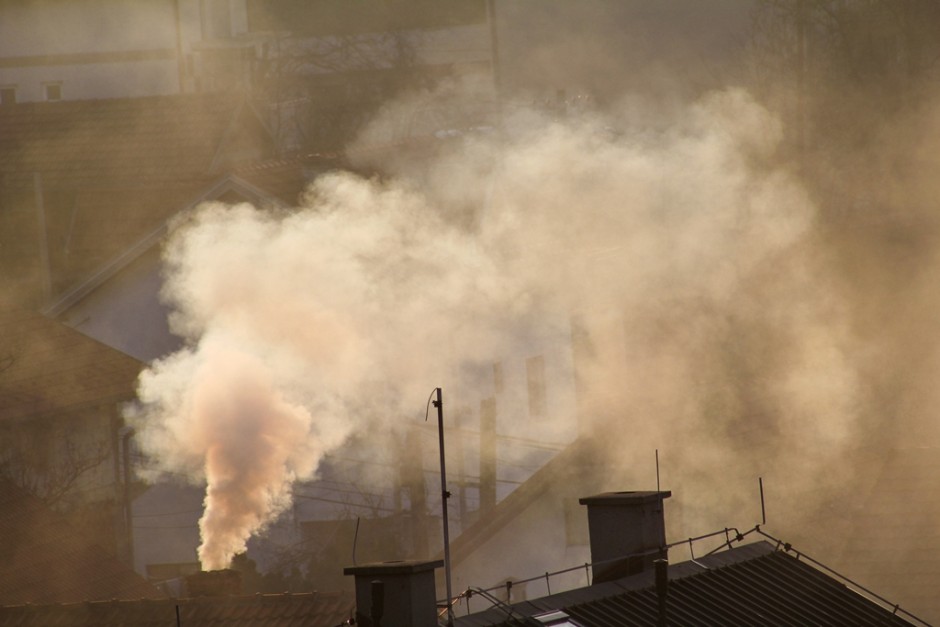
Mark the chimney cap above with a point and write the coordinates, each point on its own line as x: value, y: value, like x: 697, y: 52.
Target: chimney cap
x: 399, y: 567
x: 625, y: 498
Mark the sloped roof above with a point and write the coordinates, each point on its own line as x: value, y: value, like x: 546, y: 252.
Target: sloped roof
x: 110, y: 171
x: 287, y: 178
x: 749, y: 585
x: 310, y: 609
x: 48, y: 368
x: 894, y: 543
x: 43, y: 559
x: 83, y: 143
x: 136, y: 232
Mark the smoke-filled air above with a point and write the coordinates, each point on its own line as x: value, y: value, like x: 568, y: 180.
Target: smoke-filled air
x: 309, y: 325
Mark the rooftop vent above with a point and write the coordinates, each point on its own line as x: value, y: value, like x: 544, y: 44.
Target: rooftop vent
x: 628, y: 532
x: 407, y: 593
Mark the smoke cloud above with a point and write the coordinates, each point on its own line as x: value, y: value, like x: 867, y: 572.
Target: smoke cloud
x: 309, y: 326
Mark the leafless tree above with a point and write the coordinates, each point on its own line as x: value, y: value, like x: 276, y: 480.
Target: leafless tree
x: 318, y: 91
x: 46, y: 461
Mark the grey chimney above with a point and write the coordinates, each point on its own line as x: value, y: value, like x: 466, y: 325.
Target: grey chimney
x: 214, y: 583
x: 628, y: 532
x: 408, y: 590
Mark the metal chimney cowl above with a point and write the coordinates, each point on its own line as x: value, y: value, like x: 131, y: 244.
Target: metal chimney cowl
x: 625, y: 525
x: 410, y: 598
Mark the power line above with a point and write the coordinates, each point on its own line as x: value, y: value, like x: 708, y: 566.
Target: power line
x: 338, y: 502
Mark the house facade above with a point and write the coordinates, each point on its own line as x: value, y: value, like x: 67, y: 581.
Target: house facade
x: 62, y: 432
x: 52, y: 51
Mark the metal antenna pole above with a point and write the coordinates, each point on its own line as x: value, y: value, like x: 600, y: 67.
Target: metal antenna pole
x: 439, y: 403
x: 657, y: 470
x: 763, y: 512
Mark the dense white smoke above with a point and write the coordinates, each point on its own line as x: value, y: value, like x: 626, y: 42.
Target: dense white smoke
x: 309, y: 325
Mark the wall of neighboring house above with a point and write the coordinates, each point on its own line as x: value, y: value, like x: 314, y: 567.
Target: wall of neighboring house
x: 542, y: 538
x: 90, y: 49
x: 63, y: 50
x: 71, y: 461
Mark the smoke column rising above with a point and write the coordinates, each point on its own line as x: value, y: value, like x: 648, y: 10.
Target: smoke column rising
x: 307, y: 326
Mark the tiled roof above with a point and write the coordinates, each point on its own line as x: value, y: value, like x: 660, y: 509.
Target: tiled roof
x: 750, y: 585
x: 287, y: 178
x: 85, y: 143
x: 111, y: 171
x: 43, y: 559
x: 48, y: 368
x: 311, y: 609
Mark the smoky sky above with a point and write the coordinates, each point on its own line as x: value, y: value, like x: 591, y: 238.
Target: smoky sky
x: 748, y: 315
x: 309, y: 325
x: 607, y: 48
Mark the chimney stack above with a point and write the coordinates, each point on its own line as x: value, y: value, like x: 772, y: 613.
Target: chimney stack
x: 628, y: 532
x: 407, y: 588
x: 214, y: 583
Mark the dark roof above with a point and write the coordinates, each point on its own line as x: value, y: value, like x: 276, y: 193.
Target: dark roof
x: 43, y: 559
x: 287, y: 178
x: 46, y: 368
x: 749, y: 585
x: 111, y: 171
x: 85, y: 143
x: 310, y: 609
x: 112, y: 244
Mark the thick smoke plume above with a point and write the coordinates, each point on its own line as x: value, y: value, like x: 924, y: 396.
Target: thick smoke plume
x: 307, y: 326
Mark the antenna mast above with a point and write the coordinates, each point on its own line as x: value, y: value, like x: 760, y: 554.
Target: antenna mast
x: 439, y: 403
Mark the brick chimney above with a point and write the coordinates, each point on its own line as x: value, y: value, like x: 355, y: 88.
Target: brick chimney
x: 626, y: 525
x: 214, y: 583
x: 407, y: 589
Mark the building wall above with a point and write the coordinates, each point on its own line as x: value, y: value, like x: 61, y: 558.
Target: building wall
x: 94, y: 48
x: 113, y: 48
x: 537, y: 541
x: 62, y: 50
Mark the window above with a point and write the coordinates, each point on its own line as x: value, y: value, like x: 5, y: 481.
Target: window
x: 7, y: 95
x: 52, y: 91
